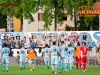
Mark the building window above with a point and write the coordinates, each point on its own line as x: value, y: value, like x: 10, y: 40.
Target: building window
x: 12, y: 25
x: 65, y: 16
x: 40, y: 17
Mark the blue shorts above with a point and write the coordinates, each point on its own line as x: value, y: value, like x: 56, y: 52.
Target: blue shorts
x: 70, y: 59
x: 46, y: 58
x: 23, y: 59
x: 62, y: 60
x: 54, y: 60
x: 5, y: 59
x: 65, y: 60
x: 31, y: 61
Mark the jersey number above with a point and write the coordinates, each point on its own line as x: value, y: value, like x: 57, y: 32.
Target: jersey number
x: 22, y: 52
x: 54, y: 50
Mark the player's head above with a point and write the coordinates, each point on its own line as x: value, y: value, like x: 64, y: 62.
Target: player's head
x: 69, y: 45
x: 46, y: 45
x: 54, y: 43
x: 78, y: 44
x: 22, y: 45
x: 84, y: 43
x: 62, y: 42
x: 5, y: 45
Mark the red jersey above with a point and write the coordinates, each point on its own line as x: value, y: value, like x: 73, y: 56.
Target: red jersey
x: 84, y: 51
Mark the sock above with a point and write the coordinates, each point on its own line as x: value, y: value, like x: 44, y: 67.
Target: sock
x: 6, y: 67
x: 80, y: 65
x: 56, y: 67
x: 32, y: 67
x: 84, y: 66
x: 71, y: 65
x: 24, y: 65
x: 65, y: 67
x: 20, y: 64
x: 2, y: 66
x: 48, y: 63
x: 52, y: 67
x: 60, y: 65
x: 76, y: 65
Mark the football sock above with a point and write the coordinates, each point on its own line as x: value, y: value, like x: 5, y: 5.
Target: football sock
x: 6, y: 67
x: 76, y: 65
x: 60, y: 65
x: 56, y: 67
x: 71, y: 65
x: 2, y: 66
x: 32, y: 67
x: 20, y: 64
x: 52, y: 67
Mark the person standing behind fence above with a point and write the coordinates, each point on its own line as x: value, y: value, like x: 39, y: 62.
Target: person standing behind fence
x: 31, y: 57
x: 5, y: 57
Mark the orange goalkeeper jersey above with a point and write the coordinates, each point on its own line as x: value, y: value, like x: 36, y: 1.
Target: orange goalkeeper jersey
x: 77, y: 52
x: 31, y: 55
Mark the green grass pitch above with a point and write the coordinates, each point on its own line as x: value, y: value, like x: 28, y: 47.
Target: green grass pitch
x: 41, y: 70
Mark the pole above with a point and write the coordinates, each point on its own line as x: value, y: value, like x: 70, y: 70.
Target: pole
x: 99, y: 22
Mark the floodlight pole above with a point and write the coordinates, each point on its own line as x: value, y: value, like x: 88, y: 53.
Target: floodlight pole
x: 99, y: 22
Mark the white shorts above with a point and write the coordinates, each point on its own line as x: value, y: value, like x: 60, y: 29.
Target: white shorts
x: 54, y: 60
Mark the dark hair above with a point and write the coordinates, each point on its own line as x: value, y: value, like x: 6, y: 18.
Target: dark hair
x: 62, y: 41
x: 78, y: 43
x: 84, y: 43
x: 54, y: 43
x: 69, y: 45
x: 5, y: 45
x: 46, y: 45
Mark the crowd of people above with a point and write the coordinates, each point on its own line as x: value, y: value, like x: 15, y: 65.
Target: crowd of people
x: 39, y: 40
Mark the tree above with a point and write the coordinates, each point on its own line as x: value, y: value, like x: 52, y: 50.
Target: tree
x: 24, y: 9
x: 72, y: 6
x: 3, y: 24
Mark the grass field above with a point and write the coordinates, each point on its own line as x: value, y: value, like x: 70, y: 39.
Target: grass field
x: 41, y: 70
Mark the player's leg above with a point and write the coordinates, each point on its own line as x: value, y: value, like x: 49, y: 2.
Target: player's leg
x: 52, y: 64
x: 24, y: 63
x: 7, y: 63
x: 71, y: 63
x: 61, y: 63
x: 33, y: 64
x: 84, y: 64
x: 3, y: 63
x: 56, y: 65
x: 65, y: 64
x: 30, y: 62
x: 21, y: 63
x: 76, y: 63
x: 48, y: 62
x: 45, y: 59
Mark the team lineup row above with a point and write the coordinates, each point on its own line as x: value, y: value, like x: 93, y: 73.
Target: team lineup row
x: 62, y: 56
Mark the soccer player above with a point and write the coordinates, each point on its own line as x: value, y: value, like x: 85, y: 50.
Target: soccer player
x: 5, y: 57
x: 84, y: 53
x: 31, y: 58
x: 63, y: 63
x: 0, y: 54
x: 78, y: 56
x: 46, y: 56
x: 22, y: 53
x: 70, y: 55
x: 54, y: 53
